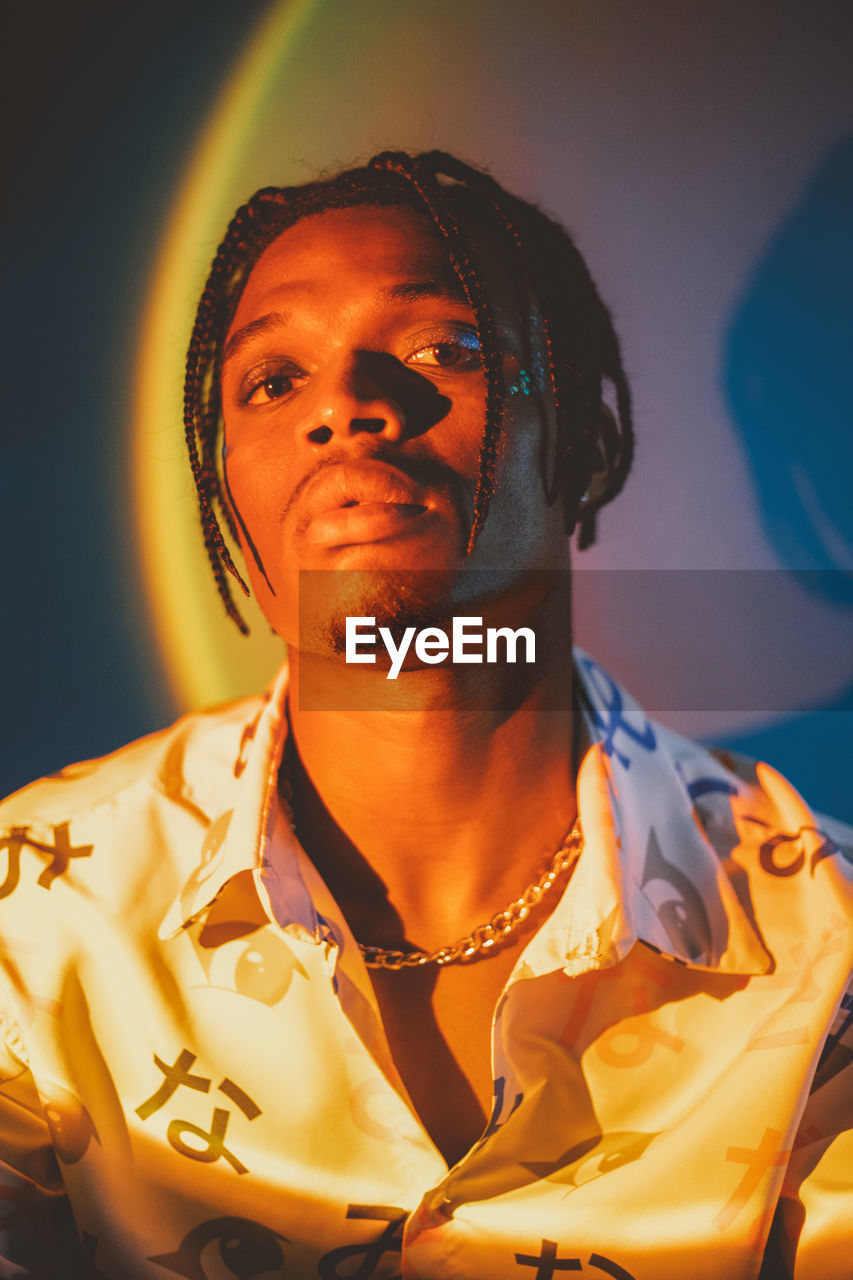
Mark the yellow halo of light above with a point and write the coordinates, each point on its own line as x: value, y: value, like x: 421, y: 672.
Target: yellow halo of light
x: 204, y: 658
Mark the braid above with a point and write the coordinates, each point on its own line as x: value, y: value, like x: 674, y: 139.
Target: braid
x: 499, y: 202
x: 201, y: 394
x: 581, y: 346
x: 422, y: 177
x: 197, y: 418
x: 538, y: 245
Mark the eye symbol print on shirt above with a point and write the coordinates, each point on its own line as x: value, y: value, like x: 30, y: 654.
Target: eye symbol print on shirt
x: 61, y: 852
x: 683, y: 917
x: 253, y: 961
x: 245, y: 1248
x: 371, y: 1253
x: 71, y: 1127
x: 615, y: 722
x: 178, y: 1076
x: 772, y: 859
x: 548, y: 1263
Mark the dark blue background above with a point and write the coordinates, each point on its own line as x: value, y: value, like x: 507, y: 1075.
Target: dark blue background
x: 106, y: 101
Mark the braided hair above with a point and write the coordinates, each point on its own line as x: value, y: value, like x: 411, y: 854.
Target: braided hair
x: 580, y: 342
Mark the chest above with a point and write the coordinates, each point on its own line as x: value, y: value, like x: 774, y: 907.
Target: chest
x: 616, y: 1091
x: 439, y: 1028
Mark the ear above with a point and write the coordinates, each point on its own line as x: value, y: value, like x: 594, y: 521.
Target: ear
x: 603, y: 447
x: 605, y: 433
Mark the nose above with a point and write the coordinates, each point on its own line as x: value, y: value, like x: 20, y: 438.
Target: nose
x: 371, y: 393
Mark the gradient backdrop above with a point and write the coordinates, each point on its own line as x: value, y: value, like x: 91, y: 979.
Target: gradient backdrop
x: 702, y: 153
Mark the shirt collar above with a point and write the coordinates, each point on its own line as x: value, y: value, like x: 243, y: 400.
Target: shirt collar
x: 239, y: 838
x: 648, y: 872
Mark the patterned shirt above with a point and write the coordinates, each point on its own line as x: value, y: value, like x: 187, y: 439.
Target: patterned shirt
x: 195, y: 1080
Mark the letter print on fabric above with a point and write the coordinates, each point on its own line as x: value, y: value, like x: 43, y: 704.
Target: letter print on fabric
x: 759, y: 1162
x: 337, y: 1264
x: 610, y: 717
x: 591, y: 1158
x: 784, y: 853
x: 61, y: 852
x: 178, y: 1076
x: 548, y: 1263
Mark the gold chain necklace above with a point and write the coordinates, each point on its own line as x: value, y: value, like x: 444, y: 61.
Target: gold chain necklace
x: 486, y: 936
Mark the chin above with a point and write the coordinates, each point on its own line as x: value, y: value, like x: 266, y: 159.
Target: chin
x: 396, y: 598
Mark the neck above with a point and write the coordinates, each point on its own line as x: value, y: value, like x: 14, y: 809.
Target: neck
x: 426, y: 820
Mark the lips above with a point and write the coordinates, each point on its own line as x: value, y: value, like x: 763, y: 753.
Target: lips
x: 357, y: 502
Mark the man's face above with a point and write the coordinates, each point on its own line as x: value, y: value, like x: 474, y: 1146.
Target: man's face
x: 354, y: 400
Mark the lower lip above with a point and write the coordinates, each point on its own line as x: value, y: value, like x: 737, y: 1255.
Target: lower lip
x: 367, y: 522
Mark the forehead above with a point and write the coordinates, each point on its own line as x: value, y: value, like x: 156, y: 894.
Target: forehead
x: 342, y: 251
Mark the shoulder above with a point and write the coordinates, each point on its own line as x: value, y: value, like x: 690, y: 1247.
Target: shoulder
x: 749, y: 803
x: 124, y: 827
x: 185, y: 762
x: 790, y: 866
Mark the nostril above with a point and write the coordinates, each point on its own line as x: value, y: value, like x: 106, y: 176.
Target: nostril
x: 320, y: 435
x: 371, y: 425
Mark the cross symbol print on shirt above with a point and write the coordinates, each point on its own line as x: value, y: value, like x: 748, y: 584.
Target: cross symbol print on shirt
x: 766, y: 1156
x: 178, y: 1075
x: 547, y: 1263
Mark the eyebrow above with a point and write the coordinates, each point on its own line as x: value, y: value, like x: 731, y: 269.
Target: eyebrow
x: 238, y: 339
x: 407, y: 291
x: 421, y: 290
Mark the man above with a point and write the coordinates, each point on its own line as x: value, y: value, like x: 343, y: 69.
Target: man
x: 443, y: 960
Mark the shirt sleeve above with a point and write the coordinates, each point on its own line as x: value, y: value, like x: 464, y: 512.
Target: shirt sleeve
x: 811, y: 1234
x: 38, y: 1239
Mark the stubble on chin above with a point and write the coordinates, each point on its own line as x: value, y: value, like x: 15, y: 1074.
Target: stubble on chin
x: 396, y: 599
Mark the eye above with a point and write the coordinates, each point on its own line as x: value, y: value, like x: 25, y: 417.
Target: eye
x: 268, y: 383
x: 457, y: 350
x: 272, y: 388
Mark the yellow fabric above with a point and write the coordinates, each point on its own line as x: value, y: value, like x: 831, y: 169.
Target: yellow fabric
x: 194, y: 1066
